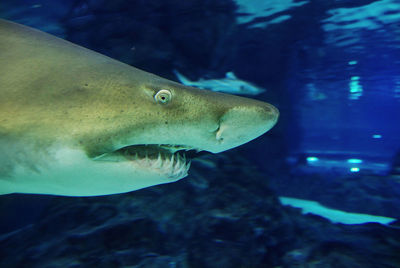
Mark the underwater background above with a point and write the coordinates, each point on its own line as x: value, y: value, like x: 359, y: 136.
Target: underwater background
x: 321, y: 189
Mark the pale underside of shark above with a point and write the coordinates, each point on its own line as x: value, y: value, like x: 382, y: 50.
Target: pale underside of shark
x: 74, y: 122
x: 228, y: 84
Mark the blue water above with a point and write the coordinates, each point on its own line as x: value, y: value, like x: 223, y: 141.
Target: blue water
x: 333, y: 70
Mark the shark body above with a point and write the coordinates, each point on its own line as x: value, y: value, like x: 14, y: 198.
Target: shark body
x: 228, y: 84
x: 77, y: 123
x: 333, y: 215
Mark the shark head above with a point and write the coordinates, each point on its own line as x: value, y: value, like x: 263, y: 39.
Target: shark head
x: 161, y: 123
x: 82, y: 124
x: 176, y: 115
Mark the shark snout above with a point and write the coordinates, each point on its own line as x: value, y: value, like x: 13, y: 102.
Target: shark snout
x: 243, y: 123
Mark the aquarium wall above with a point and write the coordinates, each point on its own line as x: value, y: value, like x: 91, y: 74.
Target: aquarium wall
x: 344, y: 84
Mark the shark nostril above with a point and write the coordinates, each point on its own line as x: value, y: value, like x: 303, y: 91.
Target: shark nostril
x: 218, y: 133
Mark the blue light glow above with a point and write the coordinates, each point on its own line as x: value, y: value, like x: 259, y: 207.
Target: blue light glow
x: 356, y: 89
x: 354, y: 161
x: 354, y: 169
x: 312, y: 159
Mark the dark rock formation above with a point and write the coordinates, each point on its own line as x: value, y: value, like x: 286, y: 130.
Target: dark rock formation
x: 222, y: 215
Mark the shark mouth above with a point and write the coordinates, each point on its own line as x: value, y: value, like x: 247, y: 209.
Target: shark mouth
x: 171, y: 161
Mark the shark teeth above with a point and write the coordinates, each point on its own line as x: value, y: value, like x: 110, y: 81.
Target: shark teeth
x: 169, y: 161
x: 173, y: 166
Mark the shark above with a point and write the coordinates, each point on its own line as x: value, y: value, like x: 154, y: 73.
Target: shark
x: 74, y: 122
x: 228, y: 84
x: 333, y: 215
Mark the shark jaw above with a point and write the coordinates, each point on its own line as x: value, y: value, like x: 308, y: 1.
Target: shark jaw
x: 68, y: 171
x: 170, y: 161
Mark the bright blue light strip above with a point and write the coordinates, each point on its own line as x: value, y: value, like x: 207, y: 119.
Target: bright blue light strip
x: 354, y: 161
x: 354, y: 169
x: 312, y: 159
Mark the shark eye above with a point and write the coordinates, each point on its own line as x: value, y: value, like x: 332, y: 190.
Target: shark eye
x: 163, y: 96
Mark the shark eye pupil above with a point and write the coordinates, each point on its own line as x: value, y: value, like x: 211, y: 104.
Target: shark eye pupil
x: 163, y: 96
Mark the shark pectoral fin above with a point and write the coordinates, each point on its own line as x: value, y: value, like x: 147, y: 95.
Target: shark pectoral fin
x: 230, y: 75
